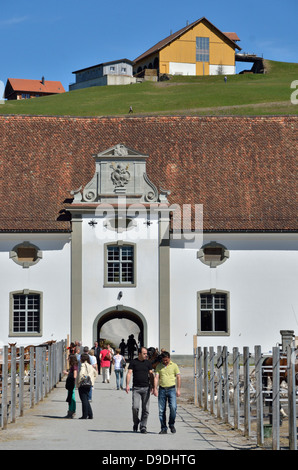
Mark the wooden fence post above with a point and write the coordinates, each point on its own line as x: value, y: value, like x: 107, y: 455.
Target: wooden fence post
x: 32, y: 378
x: 44, y: 372
x: 247, y: 428
x: 211, y: 358
x: 275, y: 399
x: 55, y: 364
x: 236, y: 388
x: 200, y: 377
x: 291, y: 357
x: 50, y: 367
x: 37, y: 374
x: 219, y: 381
x: 206, y: 385
x: 13, y: 383
x: 4, y: 401
x: 259, y: 395
x: 195, y: 370
x: 226, y: 385
x: 21, y: 381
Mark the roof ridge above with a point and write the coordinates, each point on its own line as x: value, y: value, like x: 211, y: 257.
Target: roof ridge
x: 164, y: 42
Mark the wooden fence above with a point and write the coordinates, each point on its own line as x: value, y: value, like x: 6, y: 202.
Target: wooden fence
x: 27, y: 376
x: 230, y: 386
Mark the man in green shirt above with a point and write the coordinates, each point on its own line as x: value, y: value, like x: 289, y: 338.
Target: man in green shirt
x: 165, y: 374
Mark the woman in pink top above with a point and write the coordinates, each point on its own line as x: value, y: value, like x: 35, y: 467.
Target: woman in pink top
x: 105, y: 362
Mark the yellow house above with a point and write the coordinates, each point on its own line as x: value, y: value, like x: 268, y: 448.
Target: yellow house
x: 197, y: 49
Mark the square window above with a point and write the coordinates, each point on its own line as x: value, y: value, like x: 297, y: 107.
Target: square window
x: 26, y: 313
x: 120, y: 268
x: 213, y: 313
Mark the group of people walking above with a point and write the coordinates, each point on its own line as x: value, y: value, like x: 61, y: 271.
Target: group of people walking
x: 162, y: 380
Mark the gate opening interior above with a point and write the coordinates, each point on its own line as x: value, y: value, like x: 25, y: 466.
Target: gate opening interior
x: 120, y: 327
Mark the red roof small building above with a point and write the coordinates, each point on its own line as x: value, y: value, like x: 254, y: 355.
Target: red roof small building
x: 19, y: 88
x: 233, y: 36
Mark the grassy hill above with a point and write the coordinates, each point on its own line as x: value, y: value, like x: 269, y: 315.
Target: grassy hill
x: 245, y: 94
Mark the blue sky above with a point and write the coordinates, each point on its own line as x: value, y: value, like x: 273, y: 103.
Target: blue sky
x: 52, y: 39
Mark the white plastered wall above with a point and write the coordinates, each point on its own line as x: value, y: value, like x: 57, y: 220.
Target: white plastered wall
x: 177, y: 68
x: 50, y: 276
x: 222, y: 69
x: 261, y: 276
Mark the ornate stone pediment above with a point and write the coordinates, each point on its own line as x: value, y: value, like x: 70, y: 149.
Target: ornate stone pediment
x: 119, y: 171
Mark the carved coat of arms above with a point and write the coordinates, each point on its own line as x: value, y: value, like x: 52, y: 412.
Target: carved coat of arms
x: 120, y: 174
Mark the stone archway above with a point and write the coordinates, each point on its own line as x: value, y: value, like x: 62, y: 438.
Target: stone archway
x: 119, y: 312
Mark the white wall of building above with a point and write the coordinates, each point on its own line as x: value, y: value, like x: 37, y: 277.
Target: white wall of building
x: 222, y: 69
x: 143, y: 298
x: 51, y: 276
x: 260, y: 275
x: 181, y: 68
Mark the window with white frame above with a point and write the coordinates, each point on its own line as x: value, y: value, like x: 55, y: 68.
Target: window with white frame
x: 25, y: 310
x: 213, y: 313
x: 120, y: 264
x: 202, y: 49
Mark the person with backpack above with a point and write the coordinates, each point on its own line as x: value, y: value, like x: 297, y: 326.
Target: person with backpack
x: 105, y: 363
x: 86, y: 379
x: 119, y: 367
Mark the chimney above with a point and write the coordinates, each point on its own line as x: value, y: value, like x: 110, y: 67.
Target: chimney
x: 42, y: 80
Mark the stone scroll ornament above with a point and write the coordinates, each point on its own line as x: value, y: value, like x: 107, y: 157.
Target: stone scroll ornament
x: 120, y: 174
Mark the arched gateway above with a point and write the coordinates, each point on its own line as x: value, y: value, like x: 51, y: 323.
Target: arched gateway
x: 119, y: 312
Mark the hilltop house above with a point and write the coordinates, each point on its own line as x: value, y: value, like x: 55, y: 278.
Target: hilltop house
x: 197, y: 49
x: 19, y: 88
x: 118, y: 72
x: 185, y: 225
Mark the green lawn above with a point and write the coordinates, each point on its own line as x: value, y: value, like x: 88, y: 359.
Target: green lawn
x: 247, y: 94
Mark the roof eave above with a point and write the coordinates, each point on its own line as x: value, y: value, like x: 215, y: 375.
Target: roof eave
x: 177, y: 35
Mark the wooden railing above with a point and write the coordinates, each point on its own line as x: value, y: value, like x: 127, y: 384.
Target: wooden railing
x: 27, y: 376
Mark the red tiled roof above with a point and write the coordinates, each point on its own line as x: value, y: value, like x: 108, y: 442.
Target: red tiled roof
x: 232, y: 36
x: 242, y: 169
x: 36, y: 86
x: 164, y: 42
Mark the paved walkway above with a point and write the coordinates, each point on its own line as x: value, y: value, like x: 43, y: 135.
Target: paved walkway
x: 44, y: 426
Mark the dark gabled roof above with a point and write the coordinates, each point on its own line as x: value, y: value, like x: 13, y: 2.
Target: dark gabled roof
x: 105, y: 63
x: 242, y: 169
x: 165, y: 42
